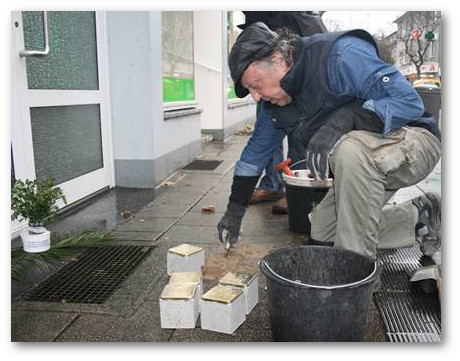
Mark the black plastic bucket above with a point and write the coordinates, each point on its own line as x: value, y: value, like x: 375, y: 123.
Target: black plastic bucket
x: 318, y: 293
x: 301, y: 199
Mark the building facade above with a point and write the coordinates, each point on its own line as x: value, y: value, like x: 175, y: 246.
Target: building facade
x: 431, y: 66
x: 104, y: 99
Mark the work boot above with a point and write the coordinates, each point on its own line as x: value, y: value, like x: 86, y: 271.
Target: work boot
x: 262, y: 195
x: 428, y: 227
x: 280, y: 206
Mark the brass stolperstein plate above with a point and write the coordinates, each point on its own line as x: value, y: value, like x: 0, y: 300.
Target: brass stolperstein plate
x: 185, y: 249
x: 185, y: 277
x: 179, y: 291
x: 222, y: 294
x: 237, y: 279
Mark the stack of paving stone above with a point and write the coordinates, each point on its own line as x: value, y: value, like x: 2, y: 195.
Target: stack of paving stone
x: 223, y: 308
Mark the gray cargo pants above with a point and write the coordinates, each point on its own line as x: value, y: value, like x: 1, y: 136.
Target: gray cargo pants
x: 368, y: 170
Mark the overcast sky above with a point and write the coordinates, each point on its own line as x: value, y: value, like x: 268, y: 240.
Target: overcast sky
x: 372, y: 21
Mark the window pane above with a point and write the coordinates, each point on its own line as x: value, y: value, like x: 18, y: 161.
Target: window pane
x: 66, y: 140
x: 234, y: 18
x: 73, y: 60
x: 177, y: 35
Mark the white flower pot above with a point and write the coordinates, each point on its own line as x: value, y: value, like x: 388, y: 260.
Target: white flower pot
x: 36, y: 240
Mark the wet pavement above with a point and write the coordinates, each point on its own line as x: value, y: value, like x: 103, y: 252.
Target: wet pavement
x: 161, y: 219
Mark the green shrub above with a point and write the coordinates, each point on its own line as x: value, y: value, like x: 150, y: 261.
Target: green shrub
x: 35, y: 200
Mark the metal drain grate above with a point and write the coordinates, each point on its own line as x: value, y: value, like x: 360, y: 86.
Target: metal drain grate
x: 414, y: 337
x: 203, y: 165
x: 398, y: 265
x: 409, y: 315
x: 93, y: 278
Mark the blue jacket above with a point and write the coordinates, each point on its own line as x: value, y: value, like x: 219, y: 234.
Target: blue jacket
x: 330, y: 71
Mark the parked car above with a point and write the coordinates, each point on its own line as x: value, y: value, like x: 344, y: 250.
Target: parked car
x: 427, y: 83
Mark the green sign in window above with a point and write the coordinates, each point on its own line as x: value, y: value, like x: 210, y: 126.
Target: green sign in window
x: 231, y: 91
x: 178, y: 89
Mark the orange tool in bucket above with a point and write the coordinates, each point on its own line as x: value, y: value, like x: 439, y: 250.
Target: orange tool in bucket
x: 284, y: 166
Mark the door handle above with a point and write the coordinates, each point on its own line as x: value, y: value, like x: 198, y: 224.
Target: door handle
x: 46, y: 51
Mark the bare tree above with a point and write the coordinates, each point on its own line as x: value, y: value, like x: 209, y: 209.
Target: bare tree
x: 415, y: 31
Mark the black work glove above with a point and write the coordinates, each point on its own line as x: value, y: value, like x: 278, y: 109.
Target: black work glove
x: 231, y: 222
x: 242, y: 189
x: 337, y: 125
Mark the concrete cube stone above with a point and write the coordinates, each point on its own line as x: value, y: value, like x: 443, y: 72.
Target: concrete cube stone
x: 185, y: 258
x: 179, y: 306
x: 223, y: 309
x: 248, y: 282
x: 188, y: 278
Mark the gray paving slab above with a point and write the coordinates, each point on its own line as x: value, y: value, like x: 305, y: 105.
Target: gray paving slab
x: 162, y: 211
x: 264, y: 212
x: 273, y: 241
x: 199, y: 335
x: 158, y: 258
x: 144, y: 326
x: 126, y: 237
x: 178, y: 196
x: 199, y: 180
x: 225, y: 182
x: 200, y: 218
x: 104, y: 211
x: 374, y: 330
x: 268, y: 228
x: 192, y: 234
x: 149, y: 225
x: 39, y: 326
x: 219, y: 201
x: 232, y: 154
x: 215, y: 148
x: 218, y: 197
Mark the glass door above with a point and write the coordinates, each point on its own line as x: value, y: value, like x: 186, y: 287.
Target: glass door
x: 60, y: 118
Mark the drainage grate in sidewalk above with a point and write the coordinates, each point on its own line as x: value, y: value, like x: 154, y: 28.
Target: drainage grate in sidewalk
x: 409, y: 314
x: 203, y: 165
x: 93, y: 278
x: 414, y: 337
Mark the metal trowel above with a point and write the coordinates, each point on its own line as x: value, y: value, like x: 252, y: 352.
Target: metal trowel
x: 227, y: 244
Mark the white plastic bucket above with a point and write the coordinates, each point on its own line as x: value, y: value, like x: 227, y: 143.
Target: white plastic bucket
x: 301, y: 179
x: 302, y: 194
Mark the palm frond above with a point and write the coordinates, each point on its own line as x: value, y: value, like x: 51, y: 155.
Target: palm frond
x: 86, y: 239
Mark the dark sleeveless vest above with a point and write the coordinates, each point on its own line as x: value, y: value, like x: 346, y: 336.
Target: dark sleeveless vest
x: 307, y: 83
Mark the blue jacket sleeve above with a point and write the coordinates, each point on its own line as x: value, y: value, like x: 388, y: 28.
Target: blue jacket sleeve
x: 262, y: 144
x: 355, y: 69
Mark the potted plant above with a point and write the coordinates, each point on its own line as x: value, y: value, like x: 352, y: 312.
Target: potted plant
x: 35, y: 201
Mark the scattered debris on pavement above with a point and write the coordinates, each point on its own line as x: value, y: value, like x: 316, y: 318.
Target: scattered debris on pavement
x: 247, y: 130
x: 209, y: 208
